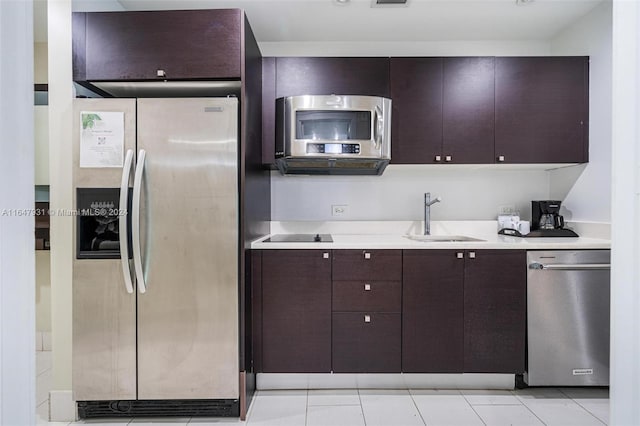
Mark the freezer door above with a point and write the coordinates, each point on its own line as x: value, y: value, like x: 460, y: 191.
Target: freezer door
x: 188, y: 315
x: 104, y: 313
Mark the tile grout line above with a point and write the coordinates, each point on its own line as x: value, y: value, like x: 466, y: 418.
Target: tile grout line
x: 334, y: 405
x: 474, y: 410
x: 43, y: 372
x: 364, y: 419
x: 583, y: 407
x: 306, y: 408
x: 527, y: 407
x: 417, y: 409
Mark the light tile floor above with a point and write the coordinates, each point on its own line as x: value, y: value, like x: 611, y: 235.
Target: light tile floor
x: 351, y: 407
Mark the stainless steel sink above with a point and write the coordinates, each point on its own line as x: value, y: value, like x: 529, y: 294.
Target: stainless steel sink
x: 441, y: 238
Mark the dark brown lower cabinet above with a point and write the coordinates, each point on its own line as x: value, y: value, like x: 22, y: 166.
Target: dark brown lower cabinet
x: 495, y: 311
x: 463, y: 311
x: 453, y: 311
x: 432, y: 311
x: 296, y: 311
x: 366, y: 343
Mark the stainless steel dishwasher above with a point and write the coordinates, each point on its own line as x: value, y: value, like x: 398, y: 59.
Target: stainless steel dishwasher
x: 568, y: 318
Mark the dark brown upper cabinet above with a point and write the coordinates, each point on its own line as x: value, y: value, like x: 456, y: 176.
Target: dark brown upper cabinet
x: 326, y: 76
x: 158, y: 45
x: 443, y: 110
x: 416, y: 118
x: 468, y: 110
x: 495, y: 291
x: 465, y: 110
x: 542, y: 108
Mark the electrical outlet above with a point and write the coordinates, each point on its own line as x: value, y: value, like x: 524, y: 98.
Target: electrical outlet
x: 507, y: 209
x: 339, y: 209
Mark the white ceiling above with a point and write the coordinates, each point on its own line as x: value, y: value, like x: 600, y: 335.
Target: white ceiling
x: 421, y: 20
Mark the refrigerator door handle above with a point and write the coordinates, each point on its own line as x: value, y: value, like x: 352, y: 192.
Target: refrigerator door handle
x: 122, y: 222
x: 135, y: 222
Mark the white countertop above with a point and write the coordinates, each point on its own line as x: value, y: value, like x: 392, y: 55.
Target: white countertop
x: 389, y: 235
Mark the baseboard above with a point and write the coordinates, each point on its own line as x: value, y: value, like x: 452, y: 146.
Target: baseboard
x: 266, y: 381
x: 62, y: 407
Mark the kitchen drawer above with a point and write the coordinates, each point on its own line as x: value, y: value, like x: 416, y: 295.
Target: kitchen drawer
x: 366, y: 342
x: 383, y: 265
x: 371, y: 296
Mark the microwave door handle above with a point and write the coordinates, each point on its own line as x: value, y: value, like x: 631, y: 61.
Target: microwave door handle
x: 122, y: 221
x: 135, y: 222
x: 377, y: 126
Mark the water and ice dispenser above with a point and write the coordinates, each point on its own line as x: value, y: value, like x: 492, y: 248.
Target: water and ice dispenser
x: 98, y: 216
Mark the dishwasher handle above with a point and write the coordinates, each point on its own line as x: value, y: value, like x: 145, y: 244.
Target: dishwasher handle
x: 571, y: 266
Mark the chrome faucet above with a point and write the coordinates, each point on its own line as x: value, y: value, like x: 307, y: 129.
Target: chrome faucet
x: 427, y: 211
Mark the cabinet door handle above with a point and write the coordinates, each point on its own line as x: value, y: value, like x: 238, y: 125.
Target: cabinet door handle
x: 459, y: 255
x: 367, y: 318
x: 325, y: 255
x: 472, y: 255
x: 438, y: 158
x: 367, y: 287
x: 367, y: 255
x: 161, y: 73
x: 447, y: 158
x: 501, y: 158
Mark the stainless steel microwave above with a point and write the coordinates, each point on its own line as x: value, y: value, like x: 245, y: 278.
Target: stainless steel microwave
x: 333, y: 134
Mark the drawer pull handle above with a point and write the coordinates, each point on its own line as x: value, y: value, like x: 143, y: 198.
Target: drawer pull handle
x: 459, y: 255
x: 367, y: 255
x: 472, y: 255
x: 325, y: 255
x: 367, y: 318
x: 367, y: 287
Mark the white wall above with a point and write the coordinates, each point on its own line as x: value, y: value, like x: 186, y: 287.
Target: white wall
x: 589, y: 194
x: 468, y: 192
x: 40, y: 63
x: 395, y: 48
x: 43, y: 290
x: 61, y: 199
x: 17, y: 281
x: 625, y: 268
x: 41, y: 128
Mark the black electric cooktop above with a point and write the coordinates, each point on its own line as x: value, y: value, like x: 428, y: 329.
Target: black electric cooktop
x: 299, y: 238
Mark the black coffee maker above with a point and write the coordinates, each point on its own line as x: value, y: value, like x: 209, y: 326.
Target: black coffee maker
x: 546, y: 220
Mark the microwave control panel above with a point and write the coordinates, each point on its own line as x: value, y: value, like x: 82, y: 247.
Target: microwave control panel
x: 333, y: 148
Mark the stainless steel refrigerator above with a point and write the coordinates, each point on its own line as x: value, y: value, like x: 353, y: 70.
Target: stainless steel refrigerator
x: 156, y: 265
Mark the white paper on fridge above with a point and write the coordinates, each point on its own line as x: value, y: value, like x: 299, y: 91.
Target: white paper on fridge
x: 101, y: 138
